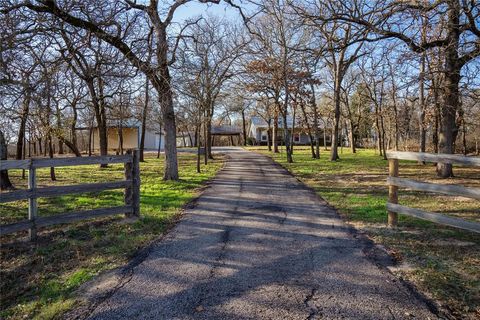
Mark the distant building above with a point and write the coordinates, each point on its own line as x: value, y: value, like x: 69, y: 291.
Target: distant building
x: 131, y: 132
x: 258, y: 131
x: 221, y: 135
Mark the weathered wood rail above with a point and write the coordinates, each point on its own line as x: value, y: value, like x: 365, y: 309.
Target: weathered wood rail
x: 131, y: 184
x: 394, y: 182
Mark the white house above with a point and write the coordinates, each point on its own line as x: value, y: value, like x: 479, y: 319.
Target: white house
x: 258, y: 131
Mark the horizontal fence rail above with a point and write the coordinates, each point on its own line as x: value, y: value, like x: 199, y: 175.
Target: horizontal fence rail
x: 62, y: 190
x: 394, y: 182
x: 434, y: 217
x: 434, y: 157
x: 131, y: 184
x: 62, y: 162
x: 448, y: 189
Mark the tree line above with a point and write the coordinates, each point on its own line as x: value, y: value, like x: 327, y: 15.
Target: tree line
x: 390, y: 74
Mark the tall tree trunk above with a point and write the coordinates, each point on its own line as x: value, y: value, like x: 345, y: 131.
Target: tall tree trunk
x: 73, y: 132
x: 5, y: 183
x: 396, y: 132
x: 40, y: 150
x: 190, y: 138
x: 379, y: 133
x: 144, y: 121
x: 21, y: 128
x: 244, y: 127
x: 382, y: 126
x: 313, y: 104
x: 90, y: 141
x: 336, y: 121
x: 100, y: 116
x: 309, y: 131
x: 199, y: 145
x: 208, y: 128
x: 159, y: 142
x: 50, y: 154
x: 205, y: 153
x: 452, y: 69
x: 162, y: 85
x: 342, y: 131
x: 325, y: 137
x: 60, y: 147
x: 23, y: 157
x: 34, y: 145
x: 72, y: 145
x: 30, y: 143
x: 209, y: 138
x: 59, y: 127
x: 120, y: 137
x: 286, y: 137
x: 269, y: 137
x: 423, y: 106
x: 286, y: 132
x: 312, y: 145
x: 197, y: 135
x: 436, y: 122
x: 275, y: 130
x: 292, y: 135
x: 351, y: 137
x: 103, y: 138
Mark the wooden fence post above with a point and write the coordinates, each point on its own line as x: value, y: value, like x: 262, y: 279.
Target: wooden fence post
x: 132, y: 192
x: 392, y: 192
x: 32, y: 201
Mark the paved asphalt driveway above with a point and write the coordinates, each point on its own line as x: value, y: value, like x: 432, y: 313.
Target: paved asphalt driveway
x: 259, y: 245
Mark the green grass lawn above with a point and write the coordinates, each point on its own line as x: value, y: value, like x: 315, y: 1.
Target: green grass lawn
x: 443, y: 262
x: 38, y: 280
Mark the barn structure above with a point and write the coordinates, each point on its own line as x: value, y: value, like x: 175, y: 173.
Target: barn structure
x: 226, y: 131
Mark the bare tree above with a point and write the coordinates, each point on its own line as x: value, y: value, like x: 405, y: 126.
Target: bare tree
x: 457, y: 35
x: 158, y: 72
x: 343, y: 46
x: 5, y: 183
x: 209, y: 56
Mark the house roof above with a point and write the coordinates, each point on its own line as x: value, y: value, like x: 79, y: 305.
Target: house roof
x: 258, y: 122
x: 226, y: 130
x: 261, y: 123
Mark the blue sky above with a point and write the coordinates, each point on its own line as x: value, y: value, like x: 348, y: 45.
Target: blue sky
x: 194, y: 9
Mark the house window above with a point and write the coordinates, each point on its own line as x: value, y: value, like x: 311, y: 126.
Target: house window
x: 264, y: 136
x: 296, y: 137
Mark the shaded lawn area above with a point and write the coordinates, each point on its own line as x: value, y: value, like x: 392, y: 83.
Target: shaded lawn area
x: 443, y: 262
x: 38, y: 279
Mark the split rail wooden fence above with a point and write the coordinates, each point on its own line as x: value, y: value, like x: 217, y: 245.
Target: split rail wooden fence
x: 394, y: 182
x: 131, y: 184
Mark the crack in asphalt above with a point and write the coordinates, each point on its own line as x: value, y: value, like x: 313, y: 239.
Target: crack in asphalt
x: 284, y: 218
x: 391, y: 313
x: 310, y: 304
x: 219, y: 260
